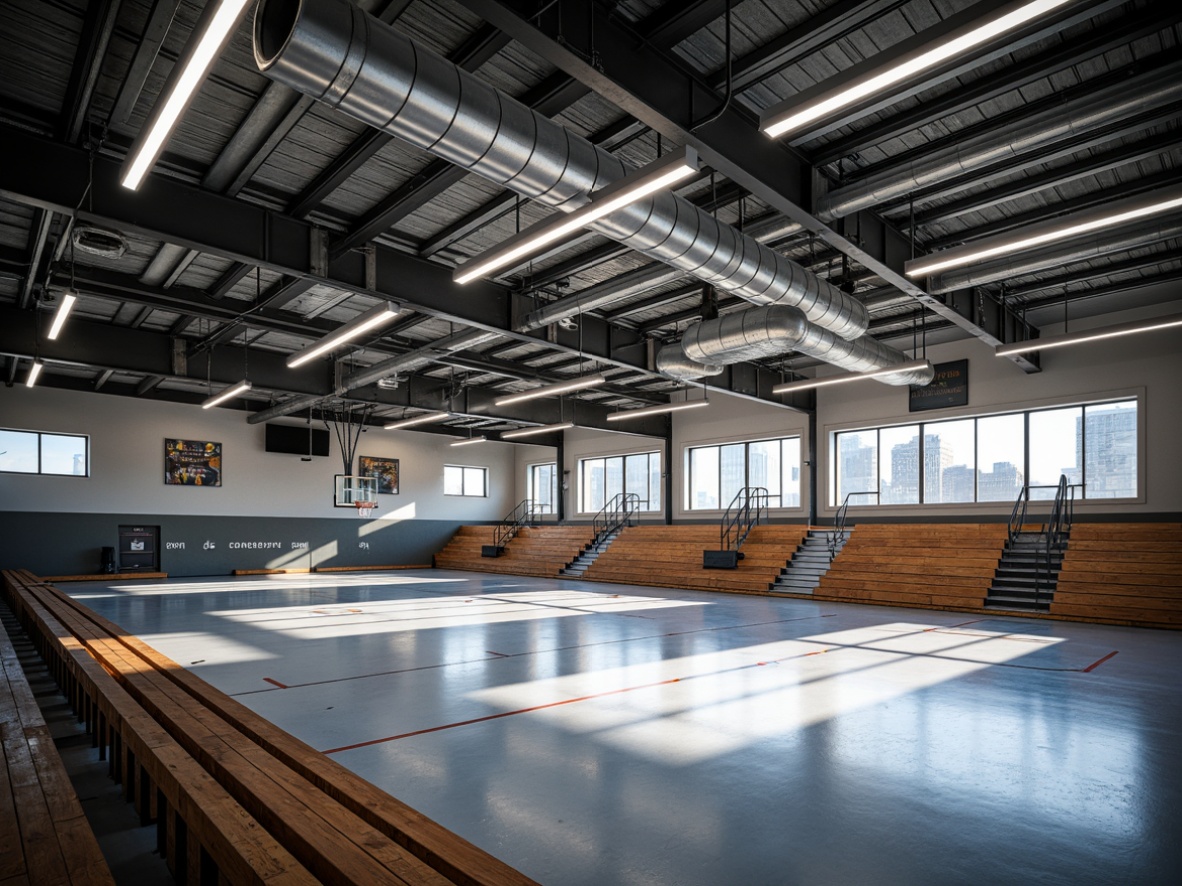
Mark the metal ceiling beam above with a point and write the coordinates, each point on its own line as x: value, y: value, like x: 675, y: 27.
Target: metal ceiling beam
x: 987, y: 88
x: 673, y: 22
x: 38, y: 236
x: 662, y: 94
x: 1135, y: 264
x: 38, y: 172
x: 97, y: 25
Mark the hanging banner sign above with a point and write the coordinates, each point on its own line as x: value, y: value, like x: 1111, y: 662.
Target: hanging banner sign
x: 949, y: 387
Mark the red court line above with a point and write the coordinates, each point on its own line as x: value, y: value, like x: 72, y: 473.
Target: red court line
x: 1099, y: 662
x: 540, y: 707
x: 565, y: 701
x: 274, y: 682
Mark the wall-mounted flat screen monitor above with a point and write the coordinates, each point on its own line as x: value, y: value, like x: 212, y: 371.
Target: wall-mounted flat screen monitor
x: 296, y: 440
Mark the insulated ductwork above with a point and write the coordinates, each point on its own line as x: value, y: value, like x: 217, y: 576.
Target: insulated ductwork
x: 1094, y: 246
x: 672, y: 362
x: 778, y: 329
x: 1063, y: 120
x: 336, y: 53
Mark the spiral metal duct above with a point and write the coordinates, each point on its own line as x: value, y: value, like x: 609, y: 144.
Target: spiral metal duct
x: 672, y: 362
x: 1070, y: 118
x: 334, y: 52
x: 777, y: 329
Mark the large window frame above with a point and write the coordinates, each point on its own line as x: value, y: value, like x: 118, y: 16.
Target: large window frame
x: 40, y: 446
x: 593, y: 495
x: 721, y: 459
x: 541, y: 486
x: 1006, y: 479
x: 470, y: 477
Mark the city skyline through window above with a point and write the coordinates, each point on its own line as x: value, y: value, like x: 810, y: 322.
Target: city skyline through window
x: 990, y: 458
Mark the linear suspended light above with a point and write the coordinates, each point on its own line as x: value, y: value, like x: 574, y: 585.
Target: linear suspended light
x: 152, y: 138
x: 808, y: 383
x: 233, y: 391
x: 469, y: 441
x: 34, y: 372
x: 1075, y: 338
x: 417, y: 420
x: 562, y: 387
x: 358, y: 326
x: 659, y: 174
x: 541, y: 429
x: 1112, y: 215
x: 63, y: 311
x: 814, y: 104
x: 656, y: 410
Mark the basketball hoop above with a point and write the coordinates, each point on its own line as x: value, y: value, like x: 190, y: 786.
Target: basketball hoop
x: 365, y: 508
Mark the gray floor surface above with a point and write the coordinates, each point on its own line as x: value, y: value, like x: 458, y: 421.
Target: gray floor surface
x: 593, y: 734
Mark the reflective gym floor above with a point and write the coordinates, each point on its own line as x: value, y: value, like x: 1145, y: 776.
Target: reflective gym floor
x: 593, y: 734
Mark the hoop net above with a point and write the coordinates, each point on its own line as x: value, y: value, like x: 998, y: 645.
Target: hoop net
x: 365, y: 508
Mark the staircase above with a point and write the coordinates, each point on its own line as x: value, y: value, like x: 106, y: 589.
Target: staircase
x: 810, y: 561
x: 1028, y: 573
x: 580, y: 564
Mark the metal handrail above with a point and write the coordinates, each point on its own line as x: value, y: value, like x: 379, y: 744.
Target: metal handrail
x: 839, y: 521
x: 526, y: 513
x: 742, y: 514
x: 618, y: 512
x: 1057, y: 529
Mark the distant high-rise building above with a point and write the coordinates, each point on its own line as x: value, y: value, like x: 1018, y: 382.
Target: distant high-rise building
x: 937, y: 458
x: 1003, y: 483
x: 1106, y: 447
x: 858, y: 470
x: 957, y: 483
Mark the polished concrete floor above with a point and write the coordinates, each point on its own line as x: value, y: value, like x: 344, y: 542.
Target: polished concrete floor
x: 593, y: 734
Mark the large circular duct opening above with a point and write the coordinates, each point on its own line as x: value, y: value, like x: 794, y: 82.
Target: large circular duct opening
x: 274, y: 21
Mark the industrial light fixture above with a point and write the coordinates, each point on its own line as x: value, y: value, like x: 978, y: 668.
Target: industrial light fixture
x: 562, y: 387
x: 1112, y: 215
x: 201, y: 54
x: 233, y: 391
x: 659, y: 174
x: 34, y: 371
x: 657, y: 410
x: 358, y: 326
x: 417, y: 420
x: 814, y: 104
x: 469, y: 441
x: 541, y: 429
x: 63, y: 311
x: 1074, y: 338
x: 808, y: 383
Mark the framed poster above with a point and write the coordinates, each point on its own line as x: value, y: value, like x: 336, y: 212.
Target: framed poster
x: 384, y: 470
x: 192, y: 463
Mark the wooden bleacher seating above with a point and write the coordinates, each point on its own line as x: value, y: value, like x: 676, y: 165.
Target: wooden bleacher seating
x: 535, y: 550
x: 671, y: 557
x: 226, y: 785
x: 1122, y: 573
x: 44, y: 834
x: 924, y: 565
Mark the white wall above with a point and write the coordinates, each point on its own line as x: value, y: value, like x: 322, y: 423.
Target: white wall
x: 127, y: 464
x: 1147, y: 366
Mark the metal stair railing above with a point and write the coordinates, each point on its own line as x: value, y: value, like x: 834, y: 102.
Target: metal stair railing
x: 838, y: 532
x: 1018, y: 515
x: 617, y: 513
x: 525, y: 514
x: 746, y: 510
x: 1057, y: 529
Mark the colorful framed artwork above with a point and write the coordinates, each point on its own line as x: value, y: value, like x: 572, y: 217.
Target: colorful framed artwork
x: 384, y: 470
x: 192, y: 463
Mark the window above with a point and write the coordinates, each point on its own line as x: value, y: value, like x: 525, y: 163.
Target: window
x: 464, y: 480
x: 991, y: 458
x: 717, y: 473
x: 35, y: 452
x: 603, y: 478
x: 542, y: 487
